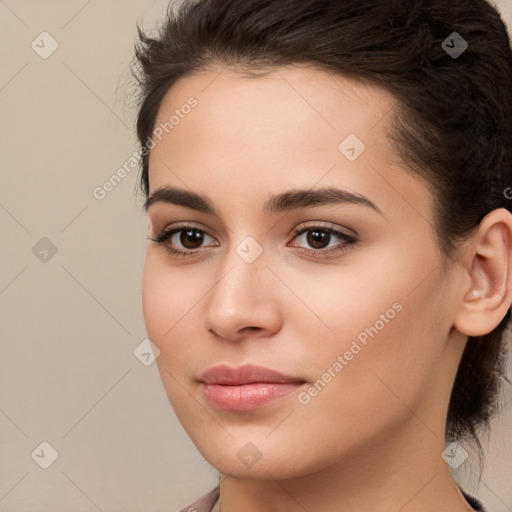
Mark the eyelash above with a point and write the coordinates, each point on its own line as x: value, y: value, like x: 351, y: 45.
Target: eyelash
x: 349, y: 240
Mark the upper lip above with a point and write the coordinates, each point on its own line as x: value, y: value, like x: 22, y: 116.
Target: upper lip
x: 246, y: 374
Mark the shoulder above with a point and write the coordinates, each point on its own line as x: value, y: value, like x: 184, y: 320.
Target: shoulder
x: 205, y: 503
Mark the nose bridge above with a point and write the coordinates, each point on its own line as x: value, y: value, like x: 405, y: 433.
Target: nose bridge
x: 241, y: 294
x: 243, y: 269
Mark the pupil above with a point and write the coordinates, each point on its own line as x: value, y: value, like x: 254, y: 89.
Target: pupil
x: 317, y: 238
x: 193, y: 236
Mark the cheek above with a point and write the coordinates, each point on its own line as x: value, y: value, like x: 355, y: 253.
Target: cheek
x: 166, y: 299
x: 172, y: 300
x: 378, y: 326
x: 354, y: 300
x: 377, y: 367
x: 153, y: 298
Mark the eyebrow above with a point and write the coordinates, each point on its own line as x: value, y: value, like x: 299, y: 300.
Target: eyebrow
x: 283, y: 202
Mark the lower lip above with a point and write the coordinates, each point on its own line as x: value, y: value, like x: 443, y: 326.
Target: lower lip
x: 248, y: 396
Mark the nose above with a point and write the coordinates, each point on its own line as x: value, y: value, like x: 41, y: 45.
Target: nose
x: 243, y: 302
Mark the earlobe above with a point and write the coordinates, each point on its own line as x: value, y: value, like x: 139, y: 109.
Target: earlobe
x: 487, y: 298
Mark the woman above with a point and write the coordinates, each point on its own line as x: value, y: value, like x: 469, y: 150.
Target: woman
x: 328, y: 276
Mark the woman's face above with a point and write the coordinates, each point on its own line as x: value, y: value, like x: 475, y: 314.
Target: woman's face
x: 356, y: 310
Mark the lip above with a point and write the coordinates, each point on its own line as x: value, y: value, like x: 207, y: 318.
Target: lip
x: 246, y: 387
x: 246, y: 374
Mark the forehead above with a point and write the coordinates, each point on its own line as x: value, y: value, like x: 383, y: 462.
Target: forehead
x: 295, y: 125
x: 277, y: 107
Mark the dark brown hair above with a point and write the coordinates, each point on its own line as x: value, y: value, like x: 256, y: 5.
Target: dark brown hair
x: 453, y: 124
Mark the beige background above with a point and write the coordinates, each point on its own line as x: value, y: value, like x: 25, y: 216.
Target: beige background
x: 70, y: 324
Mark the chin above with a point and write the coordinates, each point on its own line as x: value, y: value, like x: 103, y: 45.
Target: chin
x: 259, y: 459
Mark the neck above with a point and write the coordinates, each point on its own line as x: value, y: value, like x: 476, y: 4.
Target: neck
x: 404, y: 473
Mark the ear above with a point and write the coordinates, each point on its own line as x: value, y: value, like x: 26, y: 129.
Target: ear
x: 488, y: 260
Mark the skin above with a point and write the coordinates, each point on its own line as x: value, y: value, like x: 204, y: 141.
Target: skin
x: 372, y: 439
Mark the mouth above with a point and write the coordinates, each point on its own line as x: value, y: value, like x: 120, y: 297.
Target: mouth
x: 247, y: 387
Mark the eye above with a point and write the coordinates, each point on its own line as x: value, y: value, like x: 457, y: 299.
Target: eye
x: 187, y: 240
x: 322, y: 239
x: 181, y: 240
